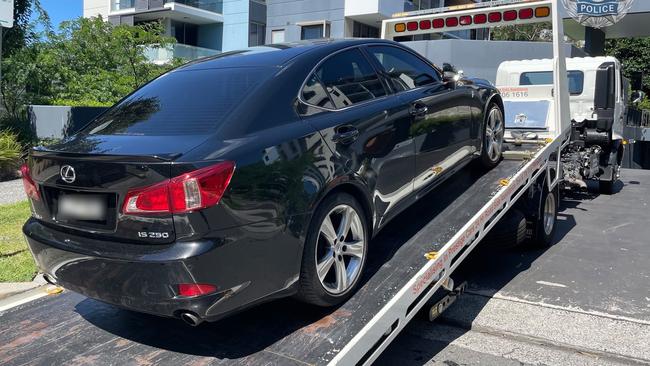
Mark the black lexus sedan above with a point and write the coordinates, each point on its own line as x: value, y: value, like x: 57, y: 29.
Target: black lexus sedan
x: 252, y: 175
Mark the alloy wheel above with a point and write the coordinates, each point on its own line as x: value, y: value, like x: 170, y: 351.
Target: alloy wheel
x: 494, y: 134
x: 340, y: 249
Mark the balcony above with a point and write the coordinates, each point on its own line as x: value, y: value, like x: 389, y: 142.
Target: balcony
x: 162, y: 55
x: 215, y: 6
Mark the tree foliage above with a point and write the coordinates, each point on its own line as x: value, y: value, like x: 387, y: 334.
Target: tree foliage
x: 634, y: 54
x: 24, y: 30
x: 87, y: 62
x: 536, y: 32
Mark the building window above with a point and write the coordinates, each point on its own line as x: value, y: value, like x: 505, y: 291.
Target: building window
x: 185, y: 33
x: 277, y: 36
x: 360, y: 30
x: 256, y: 34
x: 314, y: 31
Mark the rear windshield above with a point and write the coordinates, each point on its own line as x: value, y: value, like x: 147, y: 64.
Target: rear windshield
x: 180, y: 103
x: 576, y: 80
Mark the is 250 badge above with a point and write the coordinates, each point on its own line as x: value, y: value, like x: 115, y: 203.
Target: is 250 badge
x: 153, y: 234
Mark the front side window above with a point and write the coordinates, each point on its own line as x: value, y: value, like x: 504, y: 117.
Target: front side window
x: 576, y: 80
x: 404, y: 70
x: 349, y: 79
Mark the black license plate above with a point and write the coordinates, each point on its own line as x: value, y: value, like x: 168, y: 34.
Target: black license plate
x: 90, y: 207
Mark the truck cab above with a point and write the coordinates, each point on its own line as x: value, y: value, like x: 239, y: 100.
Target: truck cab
x: 598, y: 107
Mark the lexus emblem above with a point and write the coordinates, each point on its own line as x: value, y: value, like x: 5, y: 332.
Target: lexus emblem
x: 67, y: 174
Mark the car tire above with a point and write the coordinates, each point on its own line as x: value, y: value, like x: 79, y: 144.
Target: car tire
x: 325, y: 258
x: 492, y: 140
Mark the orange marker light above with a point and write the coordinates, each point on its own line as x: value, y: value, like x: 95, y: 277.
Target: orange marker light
x: 542, y: 12
x: 400, y: 27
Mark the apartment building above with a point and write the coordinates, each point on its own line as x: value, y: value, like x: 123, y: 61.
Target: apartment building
x: 292, y: 20
x: 201, y: 27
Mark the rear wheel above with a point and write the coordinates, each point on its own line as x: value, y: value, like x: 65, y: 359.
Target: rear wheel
x: 335, y: 252
x: 493, y: 132
x: 543, y: 228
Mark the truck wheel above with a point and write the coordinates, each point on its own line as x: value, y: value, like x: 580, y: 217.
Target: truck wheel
x: 543, y: 228
x: 335, y: 252
x: 606, y: 187
x: 509, y: 232
x: 493, y: 130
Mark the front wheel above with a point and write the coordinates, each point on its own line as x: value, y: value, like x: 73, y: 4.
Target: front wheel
x: 493, y: 132
x: 335, y: 252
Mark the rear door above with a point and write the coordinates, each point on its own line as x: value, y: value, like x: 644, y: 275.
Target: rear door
x: 366, y: 128
x: 441, y: 119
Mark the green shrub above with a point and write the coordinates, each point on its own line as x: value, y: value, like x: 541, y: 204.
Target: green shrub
x: 18, y: 126
x: 10, y: 151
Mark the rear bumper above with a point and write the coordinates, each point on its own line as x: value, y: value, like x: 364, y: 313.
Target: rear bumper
x: 144, y: 277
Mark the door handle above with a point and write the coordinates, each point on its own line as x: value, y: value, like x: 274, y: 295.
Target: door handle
x: 419, y: 110
x: 345, y: 135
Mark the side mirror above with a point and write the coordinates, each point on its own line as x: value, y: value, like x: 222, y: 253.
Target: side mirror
x: 450, y: 73
x: 637, y: 96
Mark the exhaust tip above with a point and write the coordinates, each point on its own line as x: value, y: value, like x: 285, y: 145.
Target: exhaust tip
x: 190, y: 319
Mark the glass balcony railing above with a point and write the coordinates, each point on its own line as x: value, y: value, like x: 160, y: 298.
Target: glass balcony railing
x: 122, y: 4
x: 215, y: 6
x: 161, y: 55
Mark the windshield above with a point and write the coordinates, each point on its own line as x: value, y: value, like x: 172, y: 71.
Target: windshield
x: 192, y: 102
x: 576, y: 80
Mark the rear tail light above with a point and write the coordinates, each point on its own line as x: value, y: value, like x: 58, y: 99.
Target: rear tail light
x: 412, y: 26
x: 425, y: 24
x: 510, y: 15
x: 438, y: 23
x: 191, y: 191
x: 465, y: 20
x: 195, y: 289
x: 31, y: 189
x: 526, y: 13
x: 494, y: 17
x: 480, y: 18
x: 451, y: 22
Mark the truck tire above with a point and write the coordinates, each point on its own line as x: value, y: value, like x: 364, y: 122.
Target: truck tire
x: 493, y: 131
x: 335, y: 253
x: 544, y: 224
x: 607, y: 187
x: 509, y: 232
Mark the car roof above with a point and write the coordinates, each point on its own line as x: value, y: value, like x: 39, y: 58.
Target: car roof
x: 275, y: 55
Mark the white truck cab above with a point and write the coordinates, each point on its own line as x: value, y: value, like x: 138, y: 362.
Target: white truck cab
x: 582, y: 73
x: 598, y: 99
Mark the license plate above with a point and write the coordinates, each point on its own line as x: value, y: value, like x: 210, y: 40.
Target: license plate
x: 82, y: 207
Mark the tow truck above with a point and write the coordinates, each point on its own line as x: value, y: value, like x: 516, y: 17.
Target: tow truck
x: 598, y: 94
x: 466, y: 209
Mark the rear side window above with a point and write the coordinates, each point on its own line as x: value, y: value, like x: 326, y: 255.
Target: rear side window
x: 314, y: 93
x: 180, y: 103
x: 576, y: 80
x: 404, y: 70
x: 349, y: 79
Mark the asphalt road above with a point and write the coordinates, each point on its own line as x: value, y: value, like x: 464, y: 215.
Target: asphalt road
x: 584, y: 301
